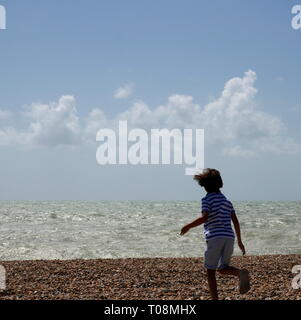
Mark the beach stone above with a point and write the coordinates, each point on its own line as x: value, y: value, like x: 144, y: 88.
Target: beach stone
x: 144, y: 279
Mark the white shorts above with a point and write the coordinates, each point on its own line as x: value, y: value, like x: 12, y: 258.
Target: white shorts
x: 218, y: 253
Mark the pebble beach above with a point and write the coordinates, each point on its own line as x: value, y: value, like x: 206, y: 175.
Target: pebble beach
x: 146, y: 279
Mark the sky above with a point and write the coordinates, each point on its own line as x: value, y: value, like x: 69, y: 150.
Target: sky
x: 69, y: 68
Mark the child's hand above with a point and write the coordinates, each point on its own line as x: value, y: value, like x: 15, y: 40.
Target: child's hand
x: 242, y: 247
x: 185, y: 230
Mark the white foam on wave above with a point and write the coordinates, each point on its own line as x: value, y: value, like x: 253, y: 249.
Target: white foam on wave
x: 90, y: 230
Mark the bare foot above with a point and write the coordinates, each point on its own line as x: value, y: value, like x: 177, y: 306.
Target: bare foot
x: 244, y: 281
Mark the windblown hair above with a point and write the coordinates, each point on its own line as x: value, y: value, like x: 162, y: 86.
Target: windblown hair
x: 210, y: 179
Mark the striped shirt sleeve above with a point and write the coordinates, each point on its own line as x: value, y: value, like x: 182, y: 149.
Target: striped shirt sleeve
x: 232, y: 210
x: 205, y: 206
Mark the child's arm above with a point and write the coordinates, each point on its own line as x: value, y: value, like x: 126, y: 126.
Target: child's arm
x: 195, y: 223
x: 237, y: 231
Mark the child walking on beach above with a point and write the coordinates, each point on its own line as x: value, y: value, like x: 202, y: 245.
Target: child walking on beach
x: 217, y: 213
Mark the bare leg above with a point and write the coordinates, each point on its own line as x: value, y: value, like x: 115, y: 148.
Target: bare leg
x: 229, y: 271
x: 243, y: 276
x: 212, y: 284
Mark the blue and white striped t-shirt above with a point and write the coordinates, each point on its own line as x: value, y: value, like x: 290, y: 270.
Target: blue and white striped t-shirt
x: 219, y: 210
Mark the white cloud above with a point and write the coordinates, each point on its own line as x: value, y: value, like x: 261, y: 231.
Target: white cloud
x: 232, y: 122
x: 55, y: 124
x: 50, y: 125
x: 96, y: 120
x: 9, y: 136
x: 280, y: 79
x: 125, y: 91
x: 296, y: 108
x: 4, y: 114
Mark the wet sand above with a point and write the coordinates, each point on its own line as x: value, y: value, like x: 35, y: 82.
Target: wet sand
x: 146, y: 279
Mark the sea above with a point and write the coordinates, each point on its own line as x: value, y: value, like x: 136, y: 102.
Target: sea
x: 35, y: 230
